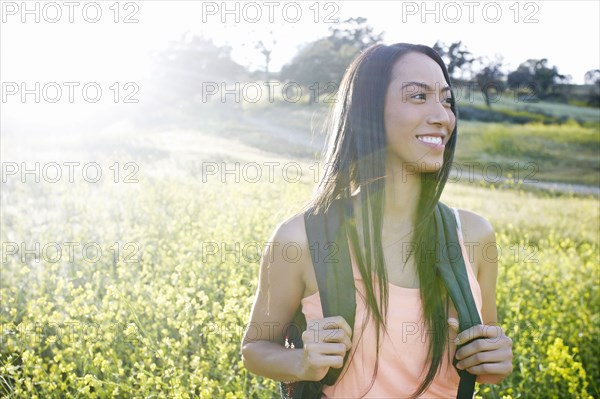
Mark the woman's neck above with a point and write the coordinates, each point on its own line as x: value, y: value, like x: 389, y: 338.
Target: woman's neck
x: 402, y: 191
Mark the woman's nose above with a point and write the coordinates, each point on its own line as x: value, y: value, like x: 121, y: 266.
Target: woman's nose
x: 439, y: 114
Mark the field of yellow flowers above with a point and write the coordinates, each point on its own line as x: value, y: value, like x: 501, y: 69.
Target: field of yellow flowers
x: 142, y: 289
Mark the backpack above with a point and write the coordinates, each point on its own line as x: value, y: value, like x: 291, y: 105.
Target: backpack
x: 326, y: 233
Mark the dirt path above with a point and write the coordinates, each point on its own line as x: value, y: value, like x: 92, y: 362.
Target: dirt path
x: 559, y: 187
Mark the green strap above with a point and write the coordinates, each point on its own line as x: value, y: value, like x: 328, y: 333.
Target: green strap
x: 330, y: 255
x: 333, y: 269
x: 453, y: 271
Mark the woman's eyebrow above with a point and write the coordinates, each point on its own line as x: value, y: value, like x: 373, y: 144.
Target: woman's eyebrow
x: 425, y: 86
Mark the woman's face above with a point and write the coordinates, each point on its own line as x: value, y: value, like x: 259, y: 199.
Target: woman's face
x: 417, y: 114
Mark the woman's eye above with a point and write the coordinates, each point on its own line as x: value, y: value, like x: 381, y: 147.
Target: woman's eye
x: 420, y: 96
x: 448, y: 101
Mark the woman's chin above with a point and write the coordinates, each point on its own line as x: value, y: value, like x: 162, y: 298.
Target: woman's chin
x: 430, y: 166
x: 419, y: 164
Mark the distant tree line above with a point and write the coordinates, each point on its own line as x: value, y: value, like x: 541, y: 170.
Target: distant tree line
x: 185, y: 65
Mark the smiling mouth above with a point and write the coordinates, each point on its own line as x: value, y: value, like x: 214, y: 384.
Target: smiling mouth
x: 430, y: 139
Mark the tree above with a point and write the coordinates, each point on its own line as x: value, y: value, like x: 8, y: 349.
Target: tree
x: 265, y: 48
x: 546, y: 77
x: 521, y: 80
x: 457, y: 58
x: 320, y: 65
x: 354, y: 32
x: 186, y: 66
x: 592, y: 78
x: 536, y: 76
x: 266, y: 52
x: 490, y: 79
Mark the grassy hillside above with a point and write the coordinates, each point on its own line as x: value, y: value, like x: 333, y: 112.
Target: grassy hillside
x: 508, y: 101
x: 566, y: 153
x: 533, y: 152
x: 161, y: 311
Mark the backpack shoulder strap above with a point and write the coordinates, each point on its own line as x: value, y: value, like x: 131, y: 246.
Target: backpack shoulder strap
x: 328, y: 241
x: 451, y: 267
x: 330, y: 255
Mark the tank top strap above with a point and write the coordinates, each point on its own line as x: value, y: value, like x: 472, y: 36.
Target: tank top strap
x: 470, y: 272
x: 458, y: 224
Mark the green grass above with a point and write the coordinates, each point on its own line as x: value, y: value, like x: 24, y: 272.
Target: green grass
x: 161, y: 313
x: 164, y: 316
x: 564, y: 153
x: 508, y: 101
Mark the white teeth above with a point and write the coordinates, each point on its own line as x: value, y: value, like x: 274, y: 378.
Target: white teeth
x: 430, y: 139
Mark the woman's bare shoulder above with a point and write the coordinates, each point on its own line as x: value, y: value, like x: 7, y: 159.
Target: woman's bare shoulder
x: 476, y: 229
x: 290, y: 237
x: 289, y: 245
x: 291, y: 230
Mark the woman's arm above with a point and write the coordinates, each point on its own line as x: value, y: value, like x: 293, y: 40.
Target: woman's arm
x: 280, y: 290
x: 491, y: 358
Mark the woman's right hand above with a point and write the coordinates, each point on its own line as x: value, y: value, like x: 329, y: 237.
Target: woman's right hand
x: 325, y: 344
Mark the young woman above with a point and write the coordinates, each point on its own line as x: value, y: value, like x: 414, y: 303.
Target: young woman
x: 392, y: 141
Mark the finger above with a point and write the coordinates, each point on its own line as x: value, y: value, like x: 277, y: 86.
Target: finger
x: 328, y: 323
x: 329, y: 349
x: 337, y: 335
x: 479, y: 331
x: 310, y: 335
x: 337, y: 322
x: 333, y: 335
x: 335, y: 361
x: 318, y: 360
x: 492, y: 356
x: 480, y: 345
x: 501, y: 368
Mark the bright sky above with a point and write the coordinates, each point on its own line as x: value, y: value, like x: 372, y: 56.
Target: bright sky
x: 565, y: 32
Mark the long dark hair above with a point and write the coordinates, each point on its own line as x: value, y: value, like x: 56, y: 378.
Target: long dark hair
x: 356, y: 158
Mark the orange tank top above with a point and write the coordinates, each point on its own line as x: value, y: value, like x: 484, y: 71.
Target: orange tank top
x: 402, y: 355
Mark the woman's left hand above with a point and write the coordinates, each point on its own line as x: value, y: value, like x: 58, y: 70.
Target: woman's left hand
x: 488, y: 356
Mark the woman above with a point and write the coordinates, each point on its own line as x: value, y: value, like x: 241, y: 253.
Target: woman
x: 392, y: 141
